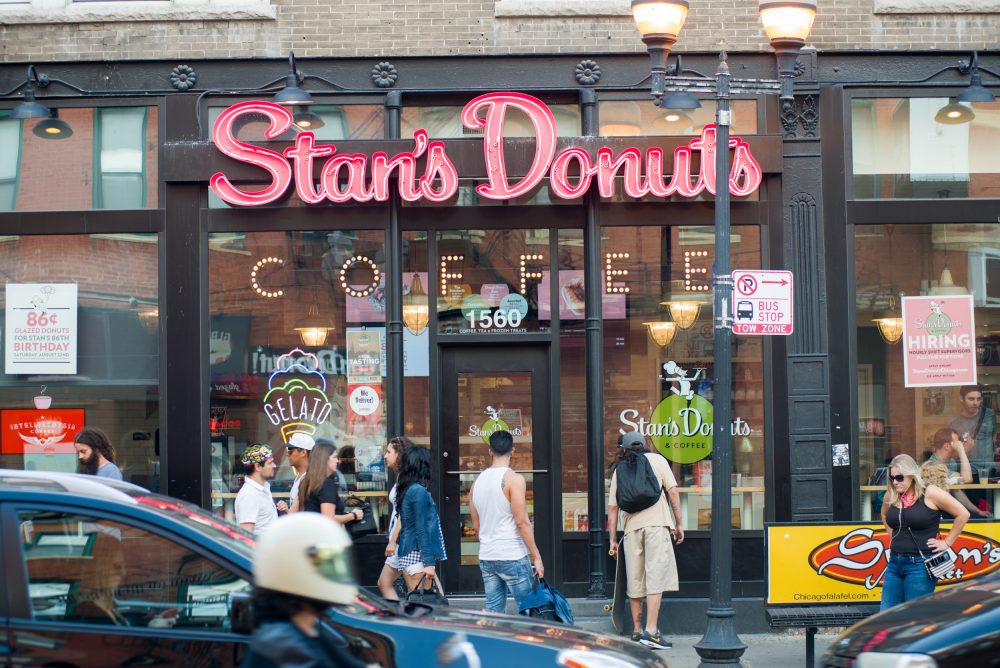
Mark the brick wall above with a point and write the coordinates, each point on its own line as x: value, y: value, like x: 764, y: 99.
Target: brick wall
x: 429, y: 27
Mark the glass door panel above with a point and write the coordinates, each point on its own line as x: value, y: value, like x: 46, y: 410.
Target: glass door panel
x: 486, y: 390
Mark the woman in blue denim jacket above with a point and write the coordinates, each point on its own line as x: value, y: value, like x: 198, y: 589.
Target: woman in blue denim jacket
x: 418, y: 516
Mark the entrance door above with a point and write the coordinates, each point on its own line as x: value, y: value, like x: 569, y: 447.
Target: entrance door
x: 486, y: 388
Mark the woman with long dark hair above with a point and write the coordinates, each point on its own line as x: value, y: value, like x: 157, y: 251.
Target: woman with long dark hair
x: 319, y: 491
x: 911, y: 513
x: 395, y: 449
x: 420, y: 533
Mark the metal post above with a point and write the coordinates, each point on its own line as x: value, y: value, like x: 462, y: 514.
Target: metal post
x: 394, y: 287
x: 720, y: 645
x: 594, y: 371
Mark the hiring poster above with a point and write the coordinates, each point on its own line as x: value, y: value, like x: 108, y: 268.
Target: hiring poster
x: 40, y: 331
x: 939, y: 341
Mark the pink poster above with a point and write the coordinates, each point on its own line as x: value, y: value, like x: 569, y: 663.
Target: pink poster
x: 939, y: 341
x: 571, y: 298
x: 366, y: 303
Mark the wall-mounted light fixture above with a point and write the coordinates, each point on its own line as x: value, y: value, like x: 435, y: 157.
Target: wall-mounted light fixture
x: 959, y: 109
x: 416, y: 311
x: 53, y: 127
x: 292, y: 95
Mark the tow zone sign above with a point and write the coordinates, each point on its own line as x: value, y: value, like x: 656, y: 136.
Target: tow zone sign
x: 762, y: 302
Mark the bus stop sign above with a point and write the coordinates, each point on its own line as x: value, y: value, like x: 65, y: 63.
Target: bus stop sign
x: 762, y: 302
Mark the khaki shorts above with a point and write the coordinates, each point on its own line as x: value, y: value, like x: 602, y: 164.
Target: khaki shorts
x: 649, y: 562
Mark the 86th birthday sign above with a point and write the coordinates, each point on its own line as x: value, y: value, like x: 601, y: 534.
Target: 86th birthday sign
x: 41, y: 329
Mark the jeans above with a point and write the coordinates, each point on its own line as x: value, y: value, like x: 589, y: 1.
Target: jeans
x: 905, y: 579
x: 499, y: 576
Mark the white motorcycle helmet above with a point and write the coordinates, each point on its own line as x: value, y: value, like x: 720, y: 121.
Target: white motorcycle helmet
x: 308, y: 555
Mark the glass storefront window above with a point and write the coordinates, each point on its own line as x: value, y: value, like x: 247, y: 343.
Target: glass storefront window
x: 491, y: 281
x: 444, y: 122
x: 572, y: 381
x: 298, y: 345
x: 658, y: 359
x: 109, y: 283
x: 633, y: 118
x: 942, y: 261
x: 416, y: 339
x: 901, y: 148
x: 108, y: 161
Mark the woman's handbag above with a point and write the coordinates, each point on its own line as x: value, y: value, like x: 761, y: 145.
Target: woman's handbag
x: 432, y: 596
x: 939, y: 565
x: 366, y: 525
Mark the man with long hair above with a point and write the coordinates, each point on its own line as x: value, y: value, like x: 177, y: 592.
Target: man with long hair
x: 95, y: 454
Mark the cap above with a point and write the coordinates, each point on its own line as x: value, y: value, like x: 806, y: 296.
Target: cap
x: 256, y: 454
x: 632, y: 439
x: 300, y: 441
x: 326, y: 441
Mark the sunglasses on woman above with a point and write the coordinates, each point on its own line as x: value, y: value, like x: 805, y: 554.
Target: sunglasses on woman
x: 897, y: 478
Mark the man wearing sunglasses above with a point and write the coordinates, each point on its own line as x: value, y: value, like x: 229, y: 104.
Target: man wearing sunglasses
x: 298, y: 448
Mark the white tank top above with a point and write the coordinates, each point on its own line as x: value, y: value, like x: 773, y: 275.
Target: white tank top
x: 498, y: 537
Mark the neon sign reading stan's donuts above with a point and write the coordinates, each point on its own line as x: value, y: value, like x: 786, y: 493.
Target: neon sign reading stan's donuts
x: 346, y: 177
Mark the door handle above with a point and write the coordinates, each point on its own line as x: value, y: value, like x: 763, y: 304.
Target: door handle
x: 515, y: 471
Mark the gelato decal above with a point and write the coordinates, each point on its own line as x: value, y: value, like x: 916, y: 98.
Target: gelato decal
x: 681, y: 424
x: 296, y: 398
x: 494, y: 424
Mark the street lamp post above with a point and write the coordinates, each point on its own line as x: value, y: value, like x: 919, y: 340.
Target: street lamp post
x: 787, y: 23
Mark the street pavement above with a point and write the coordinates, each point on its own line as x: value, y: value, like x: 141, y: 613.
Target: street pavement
x: 777, y: 649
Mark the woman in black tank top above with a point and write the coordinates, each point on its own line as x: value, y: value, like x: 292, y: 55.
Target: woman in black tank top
x: 911, y: 513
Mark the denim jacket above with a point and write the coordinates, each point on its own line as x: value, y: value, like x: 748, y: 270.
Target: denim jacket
x: 421, y: 528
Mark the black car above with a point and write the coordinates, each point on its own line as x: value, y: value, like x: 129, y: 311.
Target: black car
x: 100, y: 573
x: 956, y: 627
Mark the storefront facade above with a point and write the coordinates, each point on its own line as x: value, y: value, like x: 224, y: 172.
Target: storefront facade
x: 211, y: 312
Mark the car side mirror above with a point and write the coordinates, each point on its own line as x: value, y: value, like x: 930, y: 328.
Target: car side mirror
x: 240, y: 614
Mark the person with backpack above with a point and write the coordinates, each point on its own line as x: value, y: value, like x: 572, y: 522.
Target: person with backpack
x: 641, y: 484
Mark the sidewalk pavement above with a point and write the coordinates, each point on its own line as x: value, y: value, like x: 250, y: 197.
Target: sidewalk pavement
x: 773, y: 650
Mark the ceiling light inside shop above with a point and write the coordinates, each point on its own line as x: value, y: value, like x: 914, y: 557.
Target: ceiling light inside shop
x: 313, y: 328
x: 662, y: 332
x: 416, y: 311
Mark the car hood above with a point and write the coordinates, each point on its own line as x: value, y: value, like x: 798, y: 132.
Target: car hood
x: 482, y: 627
x: 932, y: 624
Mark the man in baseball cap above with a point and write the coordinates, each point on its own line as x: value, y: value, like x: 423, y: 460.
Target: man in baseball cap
x: 298, y: 448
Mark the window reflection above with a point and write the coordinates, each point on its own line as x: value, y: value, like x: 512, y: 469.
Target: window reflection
x: 896, y: 261
x: 901, y: 150
x: 663, y: 275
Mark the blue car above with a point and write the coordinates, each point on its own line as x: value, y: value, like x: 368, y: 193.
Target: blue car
x: 102, y: 573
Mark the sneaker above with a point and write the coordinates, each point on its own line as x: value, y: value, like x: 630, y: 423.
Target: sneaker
x: 636, y: 636
x: 654, y: 640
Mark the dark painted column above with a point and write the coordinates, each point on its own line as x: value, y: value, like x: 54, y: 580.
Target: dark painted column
x: 184, y: 376
x: 394, y: 286
x: 595, y: 370
x: 807, y: 360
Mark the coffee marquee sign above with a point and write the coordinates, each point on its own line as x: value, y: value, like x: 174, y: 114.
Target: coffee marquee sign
x: 346, y: 177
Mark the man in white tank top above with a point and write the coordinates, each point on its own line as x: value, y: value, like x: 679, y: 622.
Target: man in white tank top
x: 507, y: 550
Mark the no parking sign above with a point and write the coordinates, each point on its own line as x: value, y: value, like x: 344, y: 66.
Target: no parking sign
x: 762, y: 302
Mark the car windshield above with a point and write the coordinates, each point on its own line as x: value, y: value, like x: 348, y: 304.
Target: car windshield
x: 212, y: 526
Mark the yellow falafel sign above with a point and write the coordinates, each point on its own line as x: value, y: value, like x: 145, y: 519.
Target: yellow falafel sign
x: 845, y: 563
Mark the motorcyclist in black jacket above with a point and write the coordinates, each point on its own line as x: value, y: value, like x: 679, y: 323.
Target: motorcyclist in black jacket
x: 301, y: 567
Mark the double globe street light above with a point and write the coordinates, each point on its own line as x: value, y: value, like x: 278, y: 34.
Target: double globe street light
x: 787, y: 24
